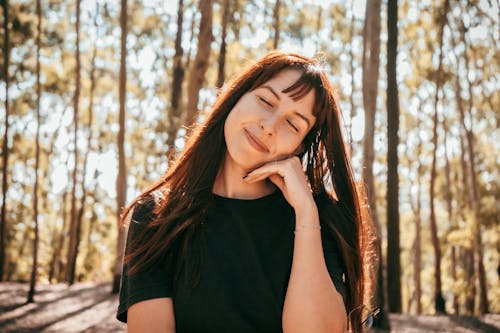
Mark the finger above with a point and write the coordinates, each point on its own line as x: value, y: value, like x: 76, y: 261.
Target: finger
x: 278, y: 181
x: 258, y: 176
x: 269, y: 167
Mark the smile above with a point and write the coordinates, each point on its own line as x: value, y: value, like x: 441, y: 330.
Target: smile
x: 256, y: 143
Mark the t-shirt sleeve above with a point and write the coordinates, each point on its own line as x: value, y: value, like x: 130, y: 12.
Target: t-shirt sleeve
x: 333, y: 259
x: 154, y: 282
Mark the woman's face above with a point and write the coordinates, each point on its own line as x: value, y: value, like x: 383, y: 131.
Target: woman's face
x: 267, y: 125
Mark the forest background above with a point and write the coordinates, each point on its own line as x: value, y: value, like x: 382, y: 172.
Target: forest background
x: 96, y: 96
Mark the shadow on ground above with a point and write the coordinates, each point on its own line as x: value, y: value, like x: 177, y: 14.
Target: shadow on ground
x: 91, y: 308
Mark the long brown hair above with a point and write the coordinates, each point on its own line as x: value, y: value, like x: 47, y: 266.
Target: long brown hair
x: 186, y: 187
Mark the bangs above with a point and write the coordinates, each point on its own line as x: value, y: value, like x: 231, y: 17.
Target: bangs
x: 310, y: 79
x: 301, y: 87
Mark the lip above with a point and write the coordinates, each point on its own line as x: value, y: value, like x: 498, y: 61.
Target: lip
x: 256, y: 143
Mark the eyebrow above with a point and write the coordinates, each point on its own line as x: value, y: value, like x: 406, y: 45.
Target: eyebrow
x: 295, y: 112
x: 303, y: 117
x: 272, y: 91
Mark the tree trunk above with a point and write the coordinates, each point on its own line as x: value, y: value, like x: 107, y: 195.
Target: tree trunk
x: 469, y: 297
x: 439, y: 302
x: 175, y: 114
x: 370, y: 65
x: 352, y: 70
x: 222, y: 51
x: 89, y: 136
x: 121, y: 179
x: 418, y: 228
x: 189, y: 53
x: 477, y: 243
x: 5, y: 146
x: 54, y: 270
x: 393, y: 254
x: 34, y: 267
x: 73, y: 228
x: 87, y: 150
x: 200, y: 64
x: 451, y: 217
x: 276, y: 24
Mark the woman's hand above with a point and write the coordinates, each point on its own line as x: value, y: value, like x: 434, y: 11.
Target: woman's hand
x: 288, y: 175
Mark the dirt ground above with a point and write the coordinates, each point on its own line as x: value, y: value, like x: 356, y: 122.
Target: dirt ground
x: 90, y: 307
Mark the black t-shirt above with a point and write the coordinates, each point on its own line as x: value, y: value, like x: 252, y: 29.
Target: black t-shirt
x: 247, y: 248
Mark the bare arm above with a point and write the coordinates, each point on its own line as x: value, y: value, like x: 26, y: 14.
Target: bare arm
x: 312, y: 304
x: 151, y: 316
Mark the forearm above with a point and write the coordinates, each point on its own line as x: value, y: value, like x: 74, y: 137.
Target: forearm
x: 312, y: 304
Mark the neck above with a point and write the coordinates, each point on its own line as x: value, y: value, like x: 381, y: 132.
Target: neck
x: 229, y: 183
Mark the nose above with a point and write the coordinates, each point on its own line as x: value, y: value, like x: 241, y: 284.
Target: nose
x: 268, y: 126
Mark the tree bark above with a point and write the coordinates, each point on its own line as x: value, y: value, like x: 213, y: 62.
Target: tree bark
x: 89, y: 140
x: 200, y: 64
x: 418, y: 228
x: 352, y: 114
x: 71, y: 255
x: 467, y: 203
x: 393, y: 254
x: 477, y: 242
x: 5, y: 146
x: 189, y: 53
x: 370, y: 65
x: 175, y: 114
x: 34, y: 267
x: 451, y: 217
x: 222, y: 51
x: 276, y: 24
x: 55, y: 263
x: 439, y: 302
x: 121, y: 179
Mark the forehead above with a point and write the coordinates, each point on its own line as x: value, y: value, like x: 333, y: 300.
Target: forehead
x: 283, y: 79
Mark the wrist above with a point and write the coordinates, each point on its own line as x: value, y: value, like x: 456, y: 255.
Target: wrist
x: 307, y: 212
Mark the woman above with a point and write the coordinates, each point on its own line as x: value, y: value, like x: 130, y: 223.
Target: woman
x: 236, y: 236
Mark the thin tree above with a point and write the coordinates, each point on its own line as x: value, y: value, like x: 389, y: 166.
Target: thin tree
x: 474, y: 194
x: 449, y: 209
x: 463, y: 167
x: 439, y: 302
x: 71, y: 255
x: 90, y: 112
x: 175, y: 114
x: 352, y: 114
x: 392, y: 196
x: 418, y: 226
x: 55, y: 262
x: 276, y: 23
x: 200, y: 64
x: 370, y: 65
x: 5, y: 146
x: 34, y: 267
x: 222, y: 51
x: 121, y: 179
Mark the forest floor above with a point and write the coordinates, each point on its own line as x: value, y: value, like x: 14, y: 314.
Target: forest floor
x: 90, y: 307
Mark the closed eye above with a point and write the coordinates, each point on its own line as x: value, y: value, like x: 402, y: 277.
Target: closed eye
x: 291, y: 124
x: 265, y: 101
